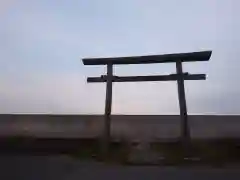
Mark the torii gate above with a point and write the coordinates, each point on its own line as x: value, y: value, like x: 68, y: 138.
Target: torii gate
x: 180, y: 76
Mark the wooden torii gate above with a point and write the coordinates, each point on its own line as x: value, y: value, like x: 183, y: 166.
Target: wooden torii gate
x: 180, y: 76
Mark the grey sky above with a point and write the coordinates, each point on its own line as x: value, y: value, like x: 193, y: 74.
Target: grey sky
x: 42, y: 43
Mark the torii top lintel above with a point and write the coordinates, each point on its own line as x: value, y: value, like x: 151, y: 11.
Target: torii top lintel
x: 165, y: 58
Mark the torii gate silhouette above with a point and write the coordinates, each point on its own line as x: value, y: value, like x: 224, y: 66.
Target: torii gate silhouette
x: 180, y: 76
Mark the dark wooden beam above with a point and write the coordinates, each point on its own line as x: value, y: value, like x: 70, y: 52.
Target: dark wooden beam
x: 165, y: 58
x: 185, y: 134
x: 172, y: 77
x: 108, y: 109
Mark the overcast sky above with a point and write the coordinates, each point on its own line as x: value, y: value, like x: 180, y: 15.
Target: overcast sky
x: 42, y: 43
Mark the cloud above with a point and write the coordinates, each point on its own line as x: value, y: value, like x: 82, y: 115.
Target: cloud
x: 42, y: 43
x: 59, y: 93
x: 5, y: 5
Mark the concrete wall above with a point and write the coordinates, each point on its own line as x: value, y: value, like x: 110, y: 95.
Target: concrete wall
x: 131, y: 126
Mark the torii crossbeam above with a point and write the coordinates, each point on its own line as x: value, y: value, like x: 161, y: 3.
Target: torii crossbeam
x: 180, y: 76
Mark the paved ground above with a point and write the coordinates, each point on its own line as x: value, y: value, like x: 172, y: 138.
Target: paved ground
x: 65, y: 168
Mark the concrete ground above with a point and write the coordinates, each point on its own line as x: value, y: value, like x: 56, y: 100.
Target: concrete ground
x: 21, y: 167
